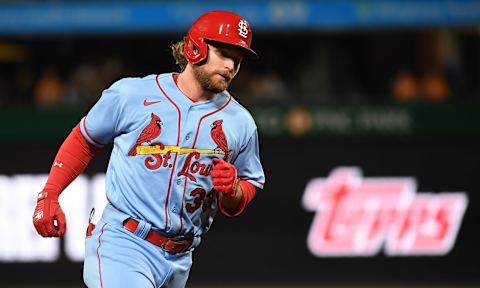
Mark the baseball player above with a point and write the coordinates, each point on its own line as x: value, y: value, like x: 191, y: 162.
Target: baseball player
x: 183, y: 148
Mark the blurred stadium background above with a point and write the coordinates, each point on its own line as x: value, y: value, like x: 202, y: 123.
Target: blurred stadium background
x: 391, y: 88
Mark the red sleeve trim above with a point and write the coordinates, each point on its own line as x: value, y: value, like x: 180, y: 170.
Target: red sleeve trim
x: 260, y: 183
x: 88, y: 134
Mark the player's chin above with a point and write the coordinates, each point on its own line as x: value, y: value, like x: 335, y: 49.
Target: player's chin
x: 219, y: 85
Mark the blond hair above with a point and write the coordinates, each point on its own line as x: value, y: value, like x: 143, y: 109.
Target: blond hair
x: 177, y: 52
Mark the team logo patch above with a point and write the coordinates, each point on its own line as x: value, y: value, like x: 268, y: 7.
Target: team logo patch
x: 159, y: 155
x: 243, y: 28
x: 150, y: 132
x: 218, y: 136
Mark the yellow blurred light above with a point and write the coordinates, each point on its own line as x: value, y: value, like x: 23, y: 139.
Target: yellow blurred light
x: 13, y: 53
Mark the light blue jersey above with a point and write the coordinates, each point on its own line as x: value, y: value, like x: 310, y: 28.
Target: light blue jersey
x: 163, y: 146
x: 158, y: 174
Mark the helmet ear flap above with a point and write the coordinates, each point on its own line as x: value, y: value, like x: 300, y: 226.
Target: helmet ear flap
x: 195, y: 51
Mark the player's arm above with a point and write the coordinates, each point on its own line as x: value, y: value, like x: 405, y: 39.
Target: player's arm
x: 234, y: 193
x: 74, y: 155
x: 71, y: 160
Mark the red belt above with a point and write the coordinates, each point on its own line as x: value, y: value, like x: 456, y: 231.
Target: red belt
x: 168, y: 244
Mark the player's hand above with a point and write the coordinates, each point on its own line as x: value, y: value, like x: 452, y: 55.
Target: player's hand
x: 224, y: 177
x: 48, y: 218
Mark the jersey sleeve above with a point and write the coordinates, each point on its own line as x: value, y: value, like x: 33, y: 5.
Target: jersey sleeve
x: 248, y: 163
x: 99, y: 126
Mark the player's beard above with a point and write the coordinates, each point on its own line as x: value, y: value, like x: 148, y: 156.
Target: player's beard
x: 208, y: 82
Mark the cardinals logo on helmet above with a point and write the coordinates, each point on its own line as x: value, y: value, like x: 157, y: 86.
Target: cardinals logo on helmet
x: 150, y: 132
x: 219, y: 138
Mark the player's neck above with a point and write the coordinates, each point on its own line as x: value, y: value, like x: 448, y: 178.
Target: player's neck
x: 190, y: 87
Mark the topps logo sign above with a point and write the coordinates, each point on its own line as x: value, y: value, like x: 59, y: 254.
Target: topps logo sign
x: 357, y: 216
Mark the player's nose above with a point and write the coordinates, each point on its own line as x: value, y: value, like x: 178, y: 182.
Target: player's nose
x: 229, y: 64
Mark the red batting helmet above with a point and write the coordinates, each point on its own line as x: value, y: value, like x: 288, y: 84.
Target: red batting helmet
x: 220, y: 26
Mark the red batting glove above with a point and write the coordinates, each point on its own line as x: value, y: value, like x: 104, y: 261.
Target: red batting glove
x: 48, y: 211
x: 224, y: 177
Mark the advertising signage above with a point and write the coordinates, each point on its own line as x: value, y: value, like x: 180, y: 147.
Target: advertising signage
x: 333, y: 212
x: 358, y: 216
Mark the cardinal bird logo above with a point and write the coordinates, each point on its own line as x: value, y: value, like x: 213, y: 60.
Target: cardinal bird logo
x: 219, y: 138
x: 150, y: 132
